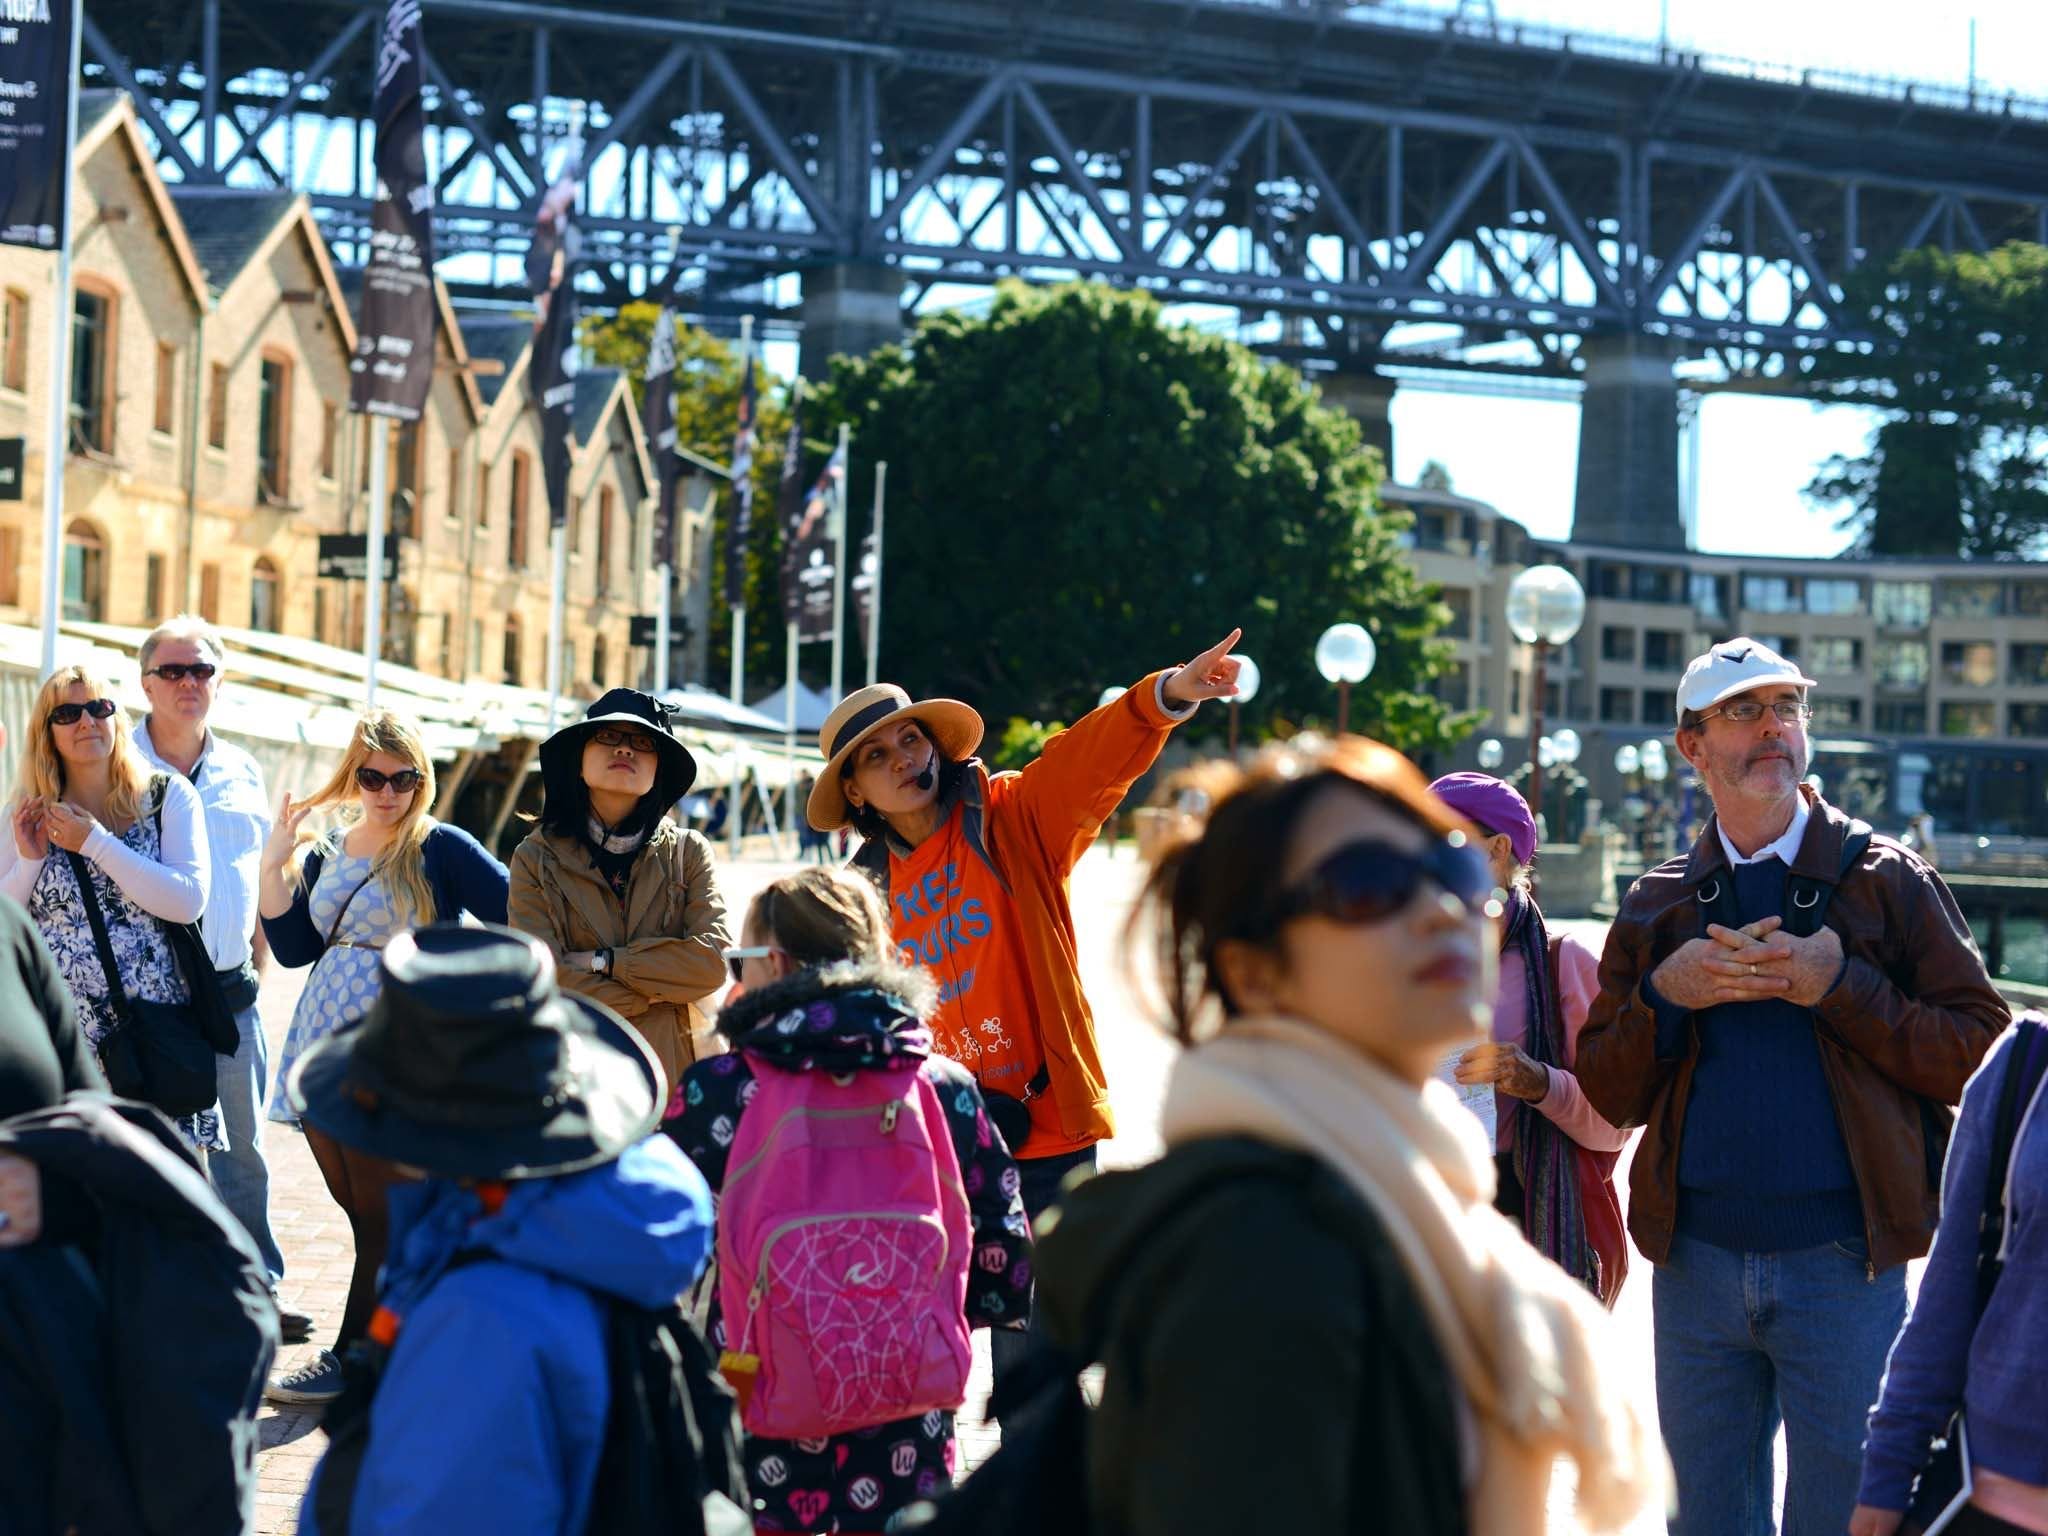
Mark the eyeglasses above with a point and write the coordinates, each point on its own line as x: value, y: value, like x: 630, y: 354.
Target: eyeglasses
x: 1369, y: 882
x: 405, y: 781
x: 1749, y: 711
x: 67, y: 714
x: 611, y: 736
x: 178, y: 671
x: 735, y: 958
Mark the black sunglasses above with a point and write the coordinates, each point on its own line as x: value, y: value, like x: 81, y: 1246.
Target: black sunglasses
x: 178, y: 671
x: 611, y: 736
x: 67, y: 714
x: 405, y: 781
x: 1369, y: 882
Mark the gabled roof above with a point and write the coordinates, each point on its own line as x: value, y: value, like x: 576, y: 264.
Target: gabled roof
x: 102, y: 114
x: 599, y: 393
x: 234, y: 228
x: 501, y: 337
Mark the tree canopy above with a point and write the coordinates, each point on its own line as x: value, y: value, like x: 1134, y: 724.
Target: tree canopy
x: 1080, y: 492
x: 1958, y: 362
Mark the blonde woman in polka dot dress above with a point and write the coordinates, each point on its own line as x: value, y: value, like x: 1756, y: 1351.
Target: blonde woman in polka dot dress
x: 332, y: 901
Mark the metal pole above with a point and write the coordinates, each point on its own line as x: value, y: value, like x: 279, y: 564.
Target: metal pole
x: 839, y: 564
x: 1343, y: 708
x: 661, y: 577
x: 789, y: 737
x: 875, y: 586
x: 1233, y: 728
x: 373, y: 600
x: 1536, y: 735
x: 59, y: 432
x: 557, y: 600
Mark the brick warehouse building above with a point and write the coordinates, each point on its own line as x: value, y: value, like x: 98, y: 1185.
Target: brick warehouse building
x: 211, y: 444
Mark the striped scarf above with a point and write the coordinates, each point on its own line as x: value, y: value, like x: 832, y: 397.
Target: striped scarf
x: 1546, y: 1160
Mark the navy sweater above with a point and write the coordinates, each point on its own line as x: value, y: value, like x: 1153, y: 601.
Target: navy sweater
x: 460, y: 872
x: 1761, y: 1163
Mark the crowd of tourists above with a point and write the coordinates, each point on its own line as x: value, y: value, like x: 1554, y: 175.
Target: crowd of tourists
x: 667, y: 1218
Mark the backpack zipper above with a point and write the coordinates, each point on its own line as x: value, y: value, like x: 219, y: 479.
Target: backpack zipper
x: 768, y: 1141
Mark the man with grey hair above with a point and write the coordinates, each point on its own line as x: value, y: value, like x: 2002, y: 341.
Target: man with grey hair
x: 182, y: 662
x: 1787, y: 1010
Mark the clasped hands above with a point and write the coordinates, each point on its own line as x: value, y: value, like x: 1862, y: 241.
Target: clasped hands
x: 41, y: 824
x: 1749, y: 965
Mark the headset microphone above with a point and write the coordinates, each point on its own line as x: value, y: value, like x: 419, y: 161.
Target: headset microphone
x: 924, y: 780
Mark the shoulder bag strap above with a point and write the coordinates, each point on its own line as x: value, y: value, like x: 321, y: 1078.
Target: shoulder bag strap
x: 334, y: 928
x: 1808, y: 899
x: 2022, y: 1078
x: 82, y: 873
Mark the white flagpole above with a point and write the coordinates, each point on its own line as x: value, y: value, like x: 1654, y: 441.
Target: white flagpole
x: 59, y: 434
x: 875, y: 582
x: 373, y: 600
x: 663, y: 572
x: 839, y: 564
x: 661, y: 575
x: 556, y: 602
x: 789, y: 739
x: 739, y: 610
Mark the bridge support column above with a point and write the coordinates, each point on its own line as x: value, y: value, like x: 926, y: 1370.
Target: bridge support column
x: 1368, y: 399
x: 849, y: 309
x: 1628, y: 445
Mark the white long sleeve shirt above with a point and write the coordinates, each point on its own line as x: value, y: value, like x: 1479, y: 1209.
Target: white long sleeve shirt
x: 237, y: 811
x: 172, y: 888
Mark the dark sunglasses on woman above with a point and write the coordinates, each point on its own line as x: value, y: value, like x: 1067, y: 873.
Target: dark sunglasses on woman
x: 178, y: 671
x: 67, y: 714
x: 610, y: 736
x: 1369, y: 882
x: 405, y: 781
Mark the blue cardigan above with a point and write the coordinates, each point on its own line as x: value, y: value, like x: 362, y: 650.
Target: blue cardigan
x: 461, y: 874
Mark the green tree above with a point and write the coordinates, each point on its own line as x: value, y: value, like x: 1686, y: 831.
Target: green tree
x: 1958, y: 362
x: 707, y: 397
x: 1079, y: 492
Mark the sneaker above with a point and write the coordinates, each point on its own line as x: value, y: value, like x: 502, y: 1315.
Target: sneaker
x: 293, y: 1327
x: 317, y: 1381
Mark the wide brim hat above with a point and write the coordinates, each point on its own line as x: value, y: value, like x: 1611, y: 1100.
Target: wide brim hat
x: 473, y: 1064
x: 561, y: 755
x: 954, y: 726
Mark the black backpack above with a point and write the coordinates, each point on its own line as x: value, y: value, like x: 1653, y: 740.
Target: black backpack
x: 670, y: 1465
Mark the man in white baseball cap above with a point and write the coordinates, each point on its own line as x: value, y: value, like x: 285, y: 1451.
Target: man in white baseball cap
x: 1781, y: 1009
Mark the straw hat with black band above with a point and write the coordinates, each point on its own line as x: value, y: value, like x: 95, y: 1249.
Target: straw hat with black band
x: 954, y: 726
x: 628, y: 709
x: 472, y: 1064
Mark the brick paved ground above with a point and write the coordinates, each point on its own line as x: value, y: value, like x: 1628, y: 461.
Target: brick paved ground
x: 317, y: 1250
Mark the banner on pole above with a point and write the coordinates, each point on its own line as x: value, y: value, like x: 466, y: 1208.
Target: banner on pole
x: 741, y: 524
x: 864, y: 570
x: 658, y: 418
x: 808, y: 555
x: 393, y: 368
x: 35, y: 116
x: 551, y: 375
x: 789, y: 504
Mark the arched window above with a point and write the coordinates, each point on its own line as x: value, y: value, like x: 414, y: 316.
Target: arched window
x: 264, y: 607
x: 513, y: 647
x: 600, y: 662
x: 85, y: 573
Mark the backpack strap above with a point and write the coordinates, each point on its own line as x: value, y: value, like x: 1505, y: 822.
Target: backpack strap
x: 1807, y: 899
x: 2026, y: 1065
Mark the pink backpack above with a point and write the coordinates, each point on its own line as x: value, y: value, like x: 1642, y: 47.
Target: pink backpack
x: 843, y: 1246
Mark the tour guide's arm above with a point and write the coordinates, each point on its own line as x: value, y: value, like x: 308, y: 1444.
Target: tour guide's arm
x: 1085, y: 771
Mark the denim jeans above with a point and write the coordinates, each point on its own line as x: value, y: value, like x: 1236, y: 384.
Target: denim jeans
x: 1039, y: 1180
x: 1747, y: 1339
x: 240, y: 1176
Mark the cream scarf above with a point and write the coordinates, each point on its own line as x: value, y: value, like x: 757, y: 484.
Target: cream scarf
x: 1532, y: 1350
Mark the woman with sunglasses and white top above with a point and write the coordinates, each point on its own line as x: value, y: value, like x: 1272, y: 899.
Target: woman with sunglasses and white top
x: 1312, y: 1317
x: 626, y: 899
x: 90, y: 804
x: 331, y: 900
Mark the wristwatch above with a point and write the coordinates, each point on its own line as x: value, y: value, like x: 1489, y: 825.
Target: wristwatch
x: 600, y: 961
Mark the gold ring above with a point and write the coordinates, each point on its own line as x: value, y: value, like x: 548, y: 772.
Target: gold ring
x: 1752, y: 969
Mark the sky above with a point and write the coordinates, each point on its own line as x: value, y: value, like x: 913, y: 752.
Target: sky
x: 1756, y: 453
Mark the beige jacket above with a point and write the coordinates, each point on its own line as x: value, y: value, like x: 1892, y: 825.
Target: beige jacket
x: 665, y: 940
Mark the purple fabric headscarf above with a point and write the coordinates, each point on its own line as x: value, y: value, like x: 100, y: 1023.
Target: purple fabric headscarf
x: 1496, y: 806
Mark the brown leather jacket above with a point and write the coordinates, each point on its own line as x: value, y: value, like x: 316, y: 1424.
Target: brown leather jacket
x: 1903, y: 1028
x: 666, y: 939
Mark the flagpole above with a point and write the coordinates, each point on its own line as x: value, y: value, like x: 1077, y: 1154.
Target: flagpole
x: 739, y: 610
x: 789, y: 738
x: 875, y: 583
x: 664, y: 572
x: 373, y: 599
x: 557, y: 597
x: 60, y: 373
x: 839, y: 563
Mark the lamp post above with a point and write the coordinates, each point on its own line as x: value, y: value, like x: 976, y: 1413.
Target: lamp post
x: 1110, y: 695
x: 1345, y: 655
x: 1545, y: 605
x: 1490, y: 754
x: 1656, y: 768
x: 1247, y: 690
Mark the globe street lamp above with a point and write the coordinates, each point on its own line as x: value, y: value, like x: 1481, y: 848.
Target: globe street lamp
x: 1490, y: 754
x: 1247, y: 690
x: 1545, y: 605
x: 1627, y: 761
x: 1109, y: 696
x: 1344, y: 656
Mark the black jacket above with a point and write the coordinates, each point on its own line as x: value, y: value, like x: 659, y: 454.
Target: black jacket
x: 132, y: 1358
x: 1269, y: 1367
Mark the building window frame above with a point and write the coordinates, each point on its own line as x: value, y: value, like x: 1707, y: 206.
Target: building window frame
x: 165, y: 419
x: 218, y: 379
x: 274, y: 427
x: 95, y: 364
x: 14, y: 343
x: 83, y: 595
x: 266, y: 597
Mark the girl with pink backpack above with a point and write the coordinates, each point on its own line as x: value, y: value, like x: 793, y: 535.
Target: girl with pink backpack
x: 869, y: 1214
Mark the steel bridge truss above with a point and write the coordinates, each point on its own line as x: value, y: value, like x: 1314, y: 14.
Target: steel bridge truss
x: 1369, y: 230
